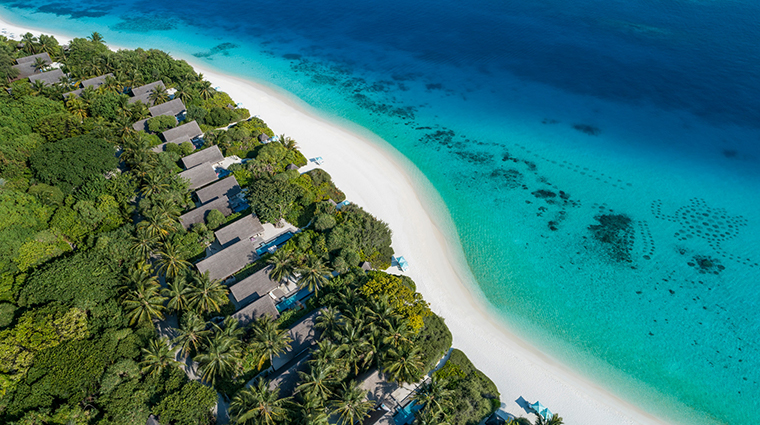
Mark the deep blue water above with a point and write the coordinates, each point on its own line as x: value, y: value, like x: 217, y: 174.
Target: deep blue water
x: 599, y: 158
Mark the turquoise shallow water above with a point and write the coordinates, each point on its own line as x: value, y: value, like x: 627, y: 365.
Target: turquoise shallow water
x: 600, y: 162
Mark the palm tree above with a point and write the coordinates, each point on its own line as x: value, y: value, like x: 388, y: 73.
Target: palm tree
x: 434, y: 396
x: 178, y: 292
x: 351, y: 406
x: 39, y: 64
x: 191, y: 333
x: 47, y: 44
x: 77, y: 107
x: 282, y: 262
x: 231, y: 328
x: 158, y: 356
x: 30, y: 43
x: 313, y: 273
x: 404, y: 364
x: 218, y: 359
x: 206, y: 295
x: 269, y: 340
x: 328, y: 354
x: 95, y: 37
x: 183, y: 93
x: 554, y: 420
x: 158, y: 95
x: 205, y: 90
x: 355, y: 346
x: 113, y: 84
x: 38, y: 86
x: 171, y: 262
x: 329, y: 320
x: 317, y: 383
x: 156, y: 225
x: 144, y: 302
x: 397, y: 332
x: 288, y: 142
x: 258, y: 405
x: 154, y: 184
x: 142, y: 244
x: 312, y: 412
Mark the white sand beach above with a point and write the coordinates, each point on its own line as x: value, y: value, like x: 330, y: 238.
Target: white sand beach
x: 384, y: 183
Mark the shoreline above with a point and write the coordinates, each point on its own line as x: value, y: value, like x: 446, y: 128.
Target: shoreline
x: 391, y: 188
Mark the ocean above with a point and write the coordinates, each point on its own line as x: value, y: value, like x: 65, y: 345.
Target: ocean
x: 599, y: 159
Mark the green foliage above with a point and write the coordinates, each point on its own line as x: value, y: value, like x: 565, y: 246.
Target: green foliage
x: 35, y: 331
x: 107, y: 105
x: 404, y: 301
x: 214, y: 219
x: 273, y: 199
x: 220, y: 116
x: 161, y: 123
x: 190, y: 406
x: 474, y: 393
x: 324, y: 222
x: 364, y: 234
x: 69, y: 163
x: 277, y: 156
x: 7, y: 313
x: 434, y: 338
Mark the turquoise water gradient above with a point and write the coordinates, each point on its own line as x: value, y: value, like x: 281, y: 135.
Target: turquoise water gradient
x: 599, y: 160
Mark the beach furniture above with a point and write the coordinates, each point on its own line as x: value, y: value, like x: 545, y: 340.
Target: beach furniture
x: 400, y: 262
x: 541, y: 410
x: 318, y: 160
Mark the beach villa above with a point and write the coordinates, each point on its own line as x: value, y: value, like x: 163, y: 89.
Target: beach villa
x: 142, y: 93
x: 187, y: 132
x: 95, y: 83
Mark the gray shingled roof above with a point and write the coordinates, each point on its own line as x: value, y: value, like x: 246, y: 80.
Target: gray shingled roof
x: 172, y: 107
x: 304, y: 334
x: 212, y: 154
x: 199, y: 176
x: 366, y: 266
x: 183, y: 133
x: 253, y: 287
x: 263, y: 137
x: 378, y: 387
x: 49, y: 78
x: 144, y: 98
x: 33, y: 58
x: 146, y: 89
x: 226, y: 187
x: 198, y: 215
x: 245, y: 228
x: 287, y: 380
x: 96, y: 82
x: 141, y: 125
x: 229, y: 260
x: 257, y: 309
x: 76, y: 92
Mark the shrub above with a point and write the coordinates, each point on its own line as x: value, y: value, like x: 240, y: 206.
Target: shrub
x: 324, y: 222
x: 435, y: 340
x: 7, y: 312
x: 71, y: 162
x: 475, y: 395
x: 161, y: 123
x: 214, y: 219
x: 186, y: 148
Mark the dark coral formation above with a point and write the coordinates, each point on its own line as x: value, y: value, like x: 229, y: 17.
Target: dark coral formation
x: 706, y: 264
x: 616, y: 233
x: 587, y: 129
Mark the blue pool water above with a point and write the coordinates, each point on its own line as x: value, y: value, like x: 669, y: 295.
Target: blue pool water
x: 275, y: 242
x: 599, y: 159
x: 405, y: 415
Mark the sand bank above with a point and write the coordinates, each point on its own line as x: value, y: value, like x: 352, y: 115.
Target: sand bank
x: 375, y: 176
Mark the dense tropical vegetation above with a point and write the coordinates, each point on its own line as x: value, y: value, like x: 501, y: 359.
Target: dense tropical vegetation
x: 103, y: 319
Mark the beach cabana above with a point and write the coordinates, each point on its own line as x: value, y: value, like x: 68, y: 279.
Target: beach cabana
x: 541, y: 410
x: 401, y: 263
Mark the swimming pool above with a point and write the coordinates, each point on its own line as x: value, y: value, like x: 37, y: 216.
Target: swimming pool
x: 405, y: 414
x: 277, y: 241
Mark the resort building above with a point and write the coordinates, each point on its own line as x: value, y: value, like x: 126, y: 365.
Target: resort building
x: 26, y: 66
x: 48, y: 78
x: 173, y: 108
x: 188, y: 132
x: 304, y: 335
x: 244, y: 229
x: 228, y: 187
x: 198, y: 215
x: 95, y: 83
x: 211, y: 155
x: 228, y: 261
x: 393, y: 403
x: 253, y: 287
x: 142, y: 93
x: 199, y: 176
x: 288, y: 378
x: 257, y: 309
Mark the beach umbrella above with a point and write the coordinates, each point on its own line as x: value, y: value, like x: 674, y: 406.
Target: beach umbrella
x: 540, y: 409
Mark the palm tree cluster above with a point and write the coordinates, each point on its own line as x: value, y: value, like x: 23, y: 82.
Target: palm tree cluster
x: 311, y: 270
